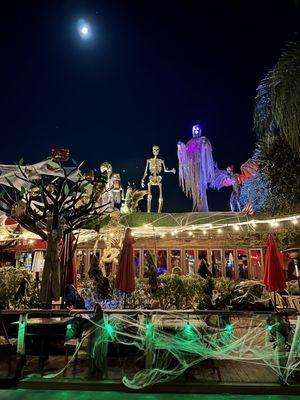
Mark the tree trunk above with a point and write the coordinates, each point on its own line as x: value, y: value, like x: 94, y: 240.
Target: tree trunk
x: 51, y: 287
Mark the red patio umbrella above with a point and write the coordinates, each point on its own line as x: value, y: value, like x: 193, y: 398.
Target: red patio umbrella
x: 125, y: 279
x: 274, y: 279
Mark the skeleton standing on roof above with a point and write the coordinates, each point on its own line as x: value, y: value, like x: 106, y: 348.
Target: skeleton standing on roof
x: 155, y: 166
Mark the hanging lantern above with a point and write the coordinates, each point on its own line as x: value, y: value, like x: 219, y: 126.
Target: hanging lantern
x: 60, y: 154
x: 99, y: 187
x: 35, y: 191
x: 116, y: 182
x: 89, y: 176
x: 18, y: 210
x: 106, y: 167
x: 50, y: 188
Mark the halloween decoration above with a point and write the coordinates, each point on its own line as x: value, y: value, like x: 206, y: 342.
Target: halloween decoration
x: 155, y: 166
x: 229, y: 178
x: 60, y: 154
x: 196, y: 168
x: 132, y: 199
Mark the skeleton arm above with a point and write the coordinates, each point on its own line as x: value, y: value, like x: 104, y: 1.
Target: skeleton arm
x: 173, y: 170
x: 145, y: 174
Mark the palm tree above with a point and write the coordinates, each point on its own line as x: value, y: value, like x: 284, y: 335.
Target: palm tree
x: 277, y: 101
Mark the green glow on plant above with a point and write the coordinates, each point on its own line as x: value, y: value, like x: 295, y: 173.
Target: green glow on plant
x: 21, y: 337
x: 69, y: 326
x: 229, y: 329
x: 109, y: 328
x: 269, y: 327
x: 188, y: 330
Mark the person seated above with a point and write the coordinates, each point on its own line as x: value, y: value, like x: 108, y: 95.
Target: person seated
x: 73, y: 298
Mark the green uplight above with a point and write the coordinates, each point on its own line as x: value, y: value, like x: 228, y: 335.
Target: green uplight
x: 69, y: 326
x: 188, y: 329
x: 148, y: 326
x: 109, y: 328
x: 229, y: 329
x: 269, y: 327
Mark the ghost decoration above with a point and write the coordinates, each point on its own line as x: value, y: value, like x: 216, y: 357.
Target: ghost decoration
x: 196, y: 168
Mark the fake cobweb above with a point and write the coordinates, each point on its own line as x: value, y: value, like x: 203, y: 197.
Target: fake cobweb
x: 171, y: 342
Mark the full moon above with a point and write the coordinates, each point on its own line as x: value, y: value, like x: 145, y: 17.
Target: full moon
x: 84, y: 29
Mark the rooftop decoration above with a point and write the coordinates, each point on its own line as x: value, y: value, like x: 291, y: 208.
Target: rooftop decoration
x: 155, y: 166
x: 196, y: 168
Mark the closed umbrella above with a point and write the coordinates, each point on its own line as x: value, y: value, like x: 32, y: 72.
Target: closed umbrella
x: 274, y: 279
x: 125, y: 279
x: 68, y: 261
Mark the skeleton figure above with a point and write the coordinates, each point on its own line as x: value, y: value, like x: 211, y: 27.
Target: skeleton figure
x: 196, y: 168
x: 114, y: 190
x: 155, y: 166
x: 132, y: 199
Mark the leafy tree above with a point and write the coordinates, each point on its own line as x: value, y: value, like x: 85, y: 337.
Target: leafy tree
x: 277, y: 101
x: 52, y: 200
x: 277, y: 122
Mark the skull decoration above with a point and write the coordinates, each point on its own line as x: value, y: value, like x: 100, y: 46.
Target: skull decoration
x: 196, y: 130
x: 18, y: 210
x: 155, y: 150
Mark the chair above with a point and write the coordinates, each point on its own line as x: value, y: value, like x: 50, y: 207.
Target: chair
x: 277, y: 300
x: 296, y: 301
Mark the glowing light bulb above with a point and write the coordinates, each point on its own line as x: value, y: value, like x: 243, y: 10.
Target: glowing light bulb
x: 219, y: 231
x: 295, y: 221
x: 269, y: 327
x: 162, y: 235
x: 190, y: 233
x: 204, y: 232
x: 236, y: 227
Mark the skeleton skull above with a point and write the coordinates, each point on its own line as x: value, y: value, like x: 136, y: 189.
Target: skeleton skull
x: 196, y: 131
x: 155, y: 150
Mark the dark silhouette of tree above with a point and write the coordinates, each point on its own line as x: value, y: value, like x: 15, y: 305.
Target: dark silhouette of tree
x: 52, y: 200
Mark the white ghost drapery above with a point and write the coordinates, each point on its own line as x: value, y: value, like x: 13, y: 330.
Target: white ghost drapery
x: 196, y: 170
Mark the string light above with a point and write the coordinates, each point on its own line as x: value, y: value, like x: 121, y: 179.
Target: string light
x: 236, y: 227
x: 295, y: 221
x: 219, y: 230
x: 190, y: 233
x: 204, y: 232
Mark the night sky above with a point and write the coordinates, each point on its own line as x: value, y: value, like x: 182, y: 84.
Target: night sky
x: 149, y: 72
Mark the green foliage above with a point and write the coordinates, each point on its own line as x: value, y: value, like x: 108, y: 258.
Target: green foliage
x: 282, y: 171
x: 277, y: 102
x: 288, y: 238
x: 10, y: 280
x: 193, y: 292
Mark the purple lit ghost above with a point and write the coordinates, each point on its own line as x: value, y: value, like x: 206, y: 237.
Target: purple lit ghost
x: 196, y: 168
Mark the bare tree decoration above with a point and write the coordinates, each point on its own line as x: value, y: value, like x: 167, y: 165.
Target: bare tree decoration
x: 52, y: 200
